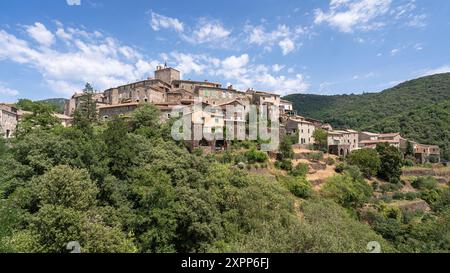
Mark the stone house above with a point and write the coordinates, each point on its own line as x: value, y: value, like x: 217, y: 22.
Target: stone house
x: 305, y: 130
x: 8, y: 120
x: 342, y: 142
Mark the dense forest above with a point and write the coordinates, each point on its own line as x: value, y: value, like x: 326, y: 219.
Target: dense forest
x: 419, y: 109
x: 126, y: 186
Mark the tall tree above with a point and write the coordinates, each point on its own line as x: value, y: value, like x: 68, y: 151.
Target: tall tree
x: 391, y: 162
x: 86, y: 112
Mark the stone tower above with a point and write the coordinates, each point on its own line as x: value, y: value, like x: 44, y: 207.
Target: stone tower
x: 167, y: 74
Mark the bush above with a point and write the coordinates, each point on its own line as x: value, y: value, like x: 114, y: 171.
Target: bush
x: 408, y: 163
x: 424, y: 182
x: 298, y: 186
x: 285, y: 164
x: 367, y: 160
x: 330, y: 161
x: 198, y: 152
x: 301, y: 170
x: 340, y: 167
x: 350, y: 189
x: 254, y: 156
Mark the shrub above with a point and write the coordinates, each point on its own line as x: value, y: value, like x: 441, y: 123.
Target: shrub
x: 424, y: 182
x: 330, y: 161
x: 298, y: 186
x: 254, y: 156
x: 300, y: 170
x: 348, y: 189
x: 341, y: 167
x: 367, y: 160
x: 198, y: 152
x: 285, y: 164
x: 408, y: 163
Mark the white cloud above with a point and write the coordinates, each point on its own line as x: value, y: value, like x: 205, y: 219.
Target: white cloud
x: 159, y: 22
x: 208, y: 31
x: 239, y: 71
x: 8, y: 91
x: 105, y: 62
x: 287, y: 46
x: 41, y: 34
x: 395, y: 51
x: 438, y: 70
x: 86, y: 57
x: 284, y: 36
x: 348, y: 15
x: 73, y: 2
x: 277, y: 67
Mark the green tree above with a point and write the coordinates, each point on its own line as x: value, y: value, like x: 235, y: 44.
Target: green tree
x: 67, y: 187
x: 146, y: 120
x: 86, y: 112
x: 119, y: 147
x: 321, y: 139
x: 409, y: 148
x: 286, y: 151
x: 391, y: 162
x: 367, y: 161
x: 41, y: 117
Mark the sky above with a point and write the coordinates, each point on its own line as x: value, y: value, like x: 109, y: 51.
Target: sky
x: 51, y: 48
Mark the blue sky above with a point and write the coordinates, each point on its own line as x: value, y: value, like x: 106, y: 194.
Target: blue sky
x: 50, y: 48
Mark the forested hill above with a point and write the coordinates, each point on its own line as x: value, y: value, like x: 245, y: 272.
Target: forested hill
x: 419, y: 109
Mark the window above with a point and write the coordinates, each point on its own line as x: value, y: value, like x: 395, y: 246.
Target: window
x: 217, y: 120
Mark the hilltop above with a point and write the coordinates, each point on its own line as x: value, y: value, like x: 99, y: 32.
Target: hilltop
x: 419, y: 109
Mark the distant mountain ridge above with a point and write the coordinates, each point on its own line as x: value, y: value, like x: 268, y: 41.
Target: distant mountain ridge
x: 419, y: 109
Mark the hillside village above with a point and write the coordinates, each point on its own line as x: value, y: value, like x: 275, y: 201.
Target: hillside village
x: 167, y: 91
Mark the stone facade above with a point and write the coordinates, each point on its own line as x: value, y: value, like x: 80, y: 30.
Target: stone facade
x: 8, y: 120
x: 342, y: 142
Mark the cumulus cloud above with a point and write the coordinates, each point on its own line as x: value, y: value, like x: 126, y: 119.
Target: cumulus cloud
x: 159, y: 22
x: 208, y: 31
x: 284, y: 36
x: 205, y: 31
x: 239, y: 71
x: 287, y: 46
x: 86, y: 57
x: 5, y: 91
x: 41, y: 34
x: 73, y: 2
x: 77, y: 56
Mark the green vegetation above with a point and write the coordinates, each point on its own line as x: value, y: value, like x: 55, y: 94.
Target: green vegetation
x: 367, y: 160
x: 424, y: 182
x: 349, y: 189
x: 418, y: 109
x: 321, y: 138
x: 126, y: 186
x: 391, y: 163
